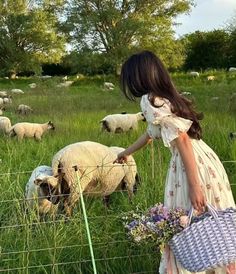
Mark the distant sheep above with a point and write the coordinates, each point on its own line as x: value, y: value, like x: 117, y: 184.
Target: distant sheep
x: 108, y: 86
x: 5, y: 124
x: 3, y: 94
x: 65, y: 84
x: 39, y: 195
x: 210, y: 78
x: 117, y: 123
x: 17, y: 91
x: 7, y: 100
x: 32, y: 85
x: 98, y: 175
x: 30, y: 130
x: 194, y: 73
x: 186, y: 93
x: 232, y: 69
x: 24, y: 109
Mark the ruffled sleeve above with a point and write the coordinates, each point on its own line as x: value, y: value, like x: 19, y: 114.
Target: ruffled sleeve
x: 162, y: 122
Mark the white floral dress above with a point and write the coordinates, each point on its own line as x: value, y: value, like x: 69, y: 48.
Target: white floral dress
x: 162, y: 123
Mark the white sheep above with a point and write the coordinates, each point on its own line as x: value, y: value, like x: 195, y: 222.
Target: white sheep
x: 210, y: 78
x: 194, y: 73
x: 186, y: 93
x: 7, y: 100
x: 117, y: 123
x: 30, y: 130
x: 33, y: 85
x: 1, y: 102
x: 232, y: 69
x: 38, y: 193
x: 65, y: 84
x: 97, y: 174
x: 3, y: 93
x: 17, y: 91
x: 108, y: 86
x: 24, y: 109
x: 5, y: 124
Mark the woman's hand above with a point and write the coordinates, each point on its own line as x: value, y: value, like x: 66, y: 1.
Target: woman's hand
x: 121, y: 158
x: 197, y: 198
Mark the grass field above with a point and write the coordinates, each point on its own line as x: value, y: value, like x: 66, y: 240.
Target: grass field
x: 28, y: 245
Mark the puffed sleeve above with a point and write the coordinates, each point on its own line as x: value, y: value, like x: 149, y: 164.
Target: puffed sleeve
x: 162, y: 122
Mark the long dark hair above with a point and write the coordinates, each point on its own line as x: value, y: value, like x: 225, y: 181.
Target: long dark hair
x: 144, y: 73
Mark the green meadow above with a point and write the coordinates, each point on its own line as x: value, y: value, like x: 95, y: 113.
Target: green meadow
x: 29, y: 244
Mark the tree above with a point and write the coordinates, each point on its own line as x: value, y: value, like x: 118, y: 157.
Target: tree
x: 231, y: 29
x: 29, y: 35
x: 118, y: 27
x: 207, y: 50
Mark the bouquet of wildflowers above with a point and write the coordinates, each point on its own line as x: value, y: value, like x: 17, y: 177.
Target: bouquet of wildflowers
x: 159, y: 224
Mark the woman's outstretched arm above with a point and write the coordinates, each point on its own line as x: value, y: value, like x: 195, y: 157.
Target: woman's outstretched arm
x: 139, y: 143
x: 185, y: 149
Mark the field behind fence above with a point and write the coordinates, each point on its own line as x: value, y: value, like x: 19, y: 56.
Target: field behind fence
x: 29, y: 244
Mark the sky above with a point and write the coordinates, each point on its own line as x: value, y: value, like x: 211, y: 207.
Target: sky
x: 206, y: 15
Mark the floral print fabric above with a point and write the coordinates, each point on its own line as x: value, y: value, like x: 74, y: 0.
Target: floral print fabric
x: 162, y: 123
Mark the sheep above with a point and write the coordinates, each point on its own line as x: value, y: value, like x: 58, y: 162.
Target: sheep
x: 5, y: 124
x: 232, y: 69
x: 186, y: 93
x: 30, y: 130
x: 98, y: 175
x: 65, y: 84
x: 215, y: 98
x: 3, y: 93
x: 17, y: 91
x: 1, y: 102
x: 108, y: 86
x: 32, y: 85
x: 7, y: 100
x: 37, y: 191
x: 210, y: 78
x: 232, y: 135
x: 194, y: 73
x: 24, y: 109
x: 45, y: 76
x: 117, y: 123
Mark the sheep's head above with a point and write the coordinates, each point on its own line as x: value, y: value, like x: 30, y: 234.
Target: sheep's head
x: 50, y: 188
x: 51, y: 125
x: 140, y: 116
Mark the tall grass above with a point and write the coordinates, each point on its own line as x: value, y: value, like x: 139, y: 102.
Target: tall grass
x: 31, y: 245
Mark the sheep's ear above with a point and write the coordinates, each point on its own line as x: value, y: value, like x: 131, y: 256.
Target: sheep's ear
x: 38, y: 181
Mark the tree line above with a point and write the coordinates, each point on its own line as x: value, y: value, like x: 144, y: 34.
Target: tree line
x: 96, y: 36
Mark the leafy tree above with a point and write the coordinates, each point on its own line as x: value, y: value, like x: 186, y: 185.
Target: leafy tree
x: 29, y: 34
x: 118, y: 27
x: 207, y: 50
x: 231, y: 29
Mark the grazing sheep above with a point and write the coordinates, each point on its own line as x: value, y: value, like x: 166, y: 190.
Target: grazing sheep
x: 45, y: 76
x: 32, y: 85
x: 1, y: 102
x: 108, y: 86
x: 7, y: 100
x: 24, y: 109
x: 17, y: 91
x: 5, y: 124
x: 232, y: 69
x: 30, y: 130
x: 98, y: 175
x: 194, y: 73
x: 118, y: 123
x: 210, y: 78
x: 232, y: 135
x: 39, y: 194
x: 186, y: 93
x: 65, y: 84
x: 3, y: 94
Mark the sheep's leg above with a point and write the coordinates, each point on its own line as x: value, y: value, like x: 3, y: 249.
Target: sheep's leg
x: 37, y: 136
x: 106, y: 200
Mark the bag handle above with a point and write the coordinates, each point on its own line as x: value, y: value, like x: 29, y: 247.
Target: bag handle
x: 212, y: 210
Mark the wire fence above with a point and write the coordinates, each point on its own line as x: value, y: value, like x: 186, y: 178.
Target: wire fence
x: 9, y: 255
